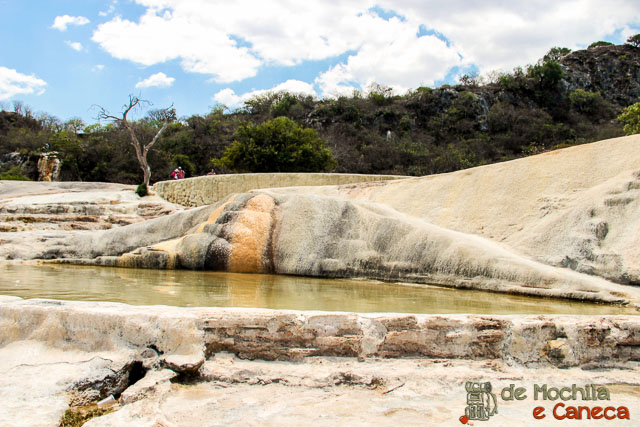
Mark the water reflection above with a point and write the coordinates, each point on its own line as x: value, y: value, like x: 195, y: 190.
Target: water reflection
x: 191, y: 289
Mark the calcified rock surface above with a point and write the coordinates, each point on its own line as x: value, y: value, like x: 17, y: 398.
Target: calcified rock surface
x: 578, y: 207
x: 40, y: 206
x: 516, y: 227
x: 55, y: 353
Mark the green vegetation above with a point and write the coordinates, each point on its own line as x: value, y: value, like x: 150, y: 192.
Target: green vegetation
x: 630, y: 117
x: 539, y: 107
x: 142, y: 190
x: 278, y: 145
x: 76, y: 417
x: 14, y: 173
x: 634, y: 40
x: 556, y: 53
x: 599, y: 44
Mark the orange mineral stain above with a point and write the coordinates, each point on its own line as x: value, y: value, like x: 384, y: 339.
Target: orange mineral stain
x: 250, y: 235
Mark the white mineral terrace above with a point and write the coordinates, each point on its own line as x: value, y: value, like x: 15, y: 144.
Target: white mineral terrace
x: 204, y: 366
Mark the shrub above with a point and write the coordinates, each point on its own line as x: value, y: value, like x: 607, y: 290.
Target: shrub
x: 556, y: 53
x: 630, y: 117
x: 599, y: 43
x: 590, y: 103
x: 142, y: 190
x: 14, y: 173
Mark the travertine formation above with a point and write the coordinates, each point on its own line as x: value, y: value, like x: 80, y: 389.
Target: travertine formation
x: 577, y: 208
x: 40, y: 206
x: 517, y: 227
x: 187, y: 365
x: 182, y: 338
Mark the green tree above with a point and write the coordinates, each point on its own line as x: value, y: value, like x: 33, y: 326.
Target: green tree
x: 634, y: 40
x: 556, y: 53
x: 279, y: 145
x: 630, y: 117
x: 547, y: 75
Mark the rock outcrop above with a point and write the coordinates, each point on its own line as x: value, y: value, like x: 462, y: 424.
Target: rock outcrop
x: 48, y: 166
x: 61, y: 206
x: 181, y: 339
x: 613, y: 71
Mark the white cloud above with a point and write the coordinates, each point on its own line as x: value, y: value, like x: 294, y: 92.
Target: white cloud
x: 61, y: 22
x: 157, y: 39
x: 400, y: 59
x: 110, y: 10
x: 232, y: 41
x: 14, y: 83
x: 229, y: 98
x: 156, y: 80
x: 98, y: 67
x: 503, y: 34
x: 77, y: 46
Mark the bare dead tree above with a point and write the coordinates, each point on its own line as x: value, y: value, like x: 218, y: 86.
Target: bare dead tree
x: 165, y: 116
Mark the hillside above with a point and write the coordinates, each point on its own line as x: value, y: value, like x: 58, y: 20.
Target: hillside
x: 563, y: 100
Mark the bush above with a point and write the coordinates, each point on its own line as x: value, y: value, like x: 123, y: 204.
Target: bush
x: 14, y: 173
x: 590, y: 104
x: 547, y: 75
x: 278, y: 145
x: 630, y: 117
x: 142, y: 190
x: 599, y: 43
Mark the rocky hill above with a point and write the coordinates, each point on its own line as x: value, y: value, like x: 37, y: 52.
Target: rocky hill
x: 558, y: 102
x: 614, y: 71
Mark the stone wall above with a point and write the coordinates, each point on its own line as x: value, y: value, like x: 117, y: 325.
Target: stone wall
x: 206, y: 190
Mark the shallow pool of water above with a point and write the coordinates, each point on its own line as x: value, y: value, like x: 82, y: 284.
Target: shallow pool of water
x: 214, y: 289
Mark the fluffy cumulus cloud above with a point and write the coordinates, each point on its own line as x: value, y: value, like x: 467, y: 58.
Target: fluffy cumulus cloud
x: 156, y: 80
x: 14, y: 83
x: 229, y: 98
x: 501, y: 34
x: 62, y: 22
x: 399, y: 43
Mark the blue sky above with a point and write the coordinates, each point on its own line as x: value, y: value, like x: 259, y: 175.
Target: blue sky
x: 63, y: 56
